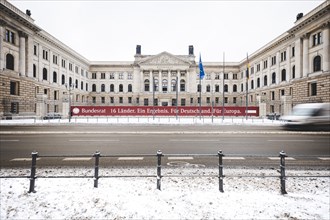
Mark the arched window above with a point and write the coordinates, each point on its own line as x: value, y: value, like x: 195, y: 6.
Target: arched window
x: 208, y: 88
x: 112, y: 88
x: 226, y: 88
x: 63, y: 79
x: 102, y: 88
x: 164, y: 85
x: 129, y: 88
x: 44, y: 74
x: 317, y: 63
x: 173, y: 85
x: 293, y: 72
x: 82, y: 85
x: 121, y: 88
x: 182, y: 85
x: 265, y: 81
x: 273, y: 77
x: 94, y: 88
x: 54, y: 77
x: 283, y: 75
x: 234, y: 88
x: 146, y: 85
x: 76, y: 85
x: 9, y: 62
x: 217, y: 88
x: 258, y: 82
x: 34, y: 71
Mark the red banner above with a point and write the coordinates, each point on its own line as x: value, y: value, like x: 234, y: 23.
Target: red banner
x: 161, y: 111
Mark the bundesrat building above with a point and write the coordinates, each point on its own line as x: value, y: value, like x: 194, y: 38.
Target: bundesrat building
x: 39, y: 74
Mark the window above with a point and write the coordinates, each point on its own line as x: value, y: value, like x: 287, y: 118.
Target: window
x: 283, y: 75
x: 34, y: 71
x: 217, y: 88
x: 216, y: 100
x: 54, y: 59
x: 102, y: 75
x: 252, y: 84
x: 317, y: 39
x: 94, y: 88
x: 208, y: 100
x: 226, y: 88
x: 317, y: 63
x: 121, y: 100
x: 102, y: 88
x: 54, y: 77
x: 293, y: 72
x: 70, y: 66
x: 265, y: 81
x: 121, y: 88
x: 112, y: 100
x: 9, y: 62
x: 129, y: 88
x: 242, y: 87
x: 112, y: 88
x: 182, y: 85
x: 234, y: 88
x: 258, y: 82
x: 191, y: 100
x: 183, y: 102
x: 44, y: 74
x: 273, y: 77
x: 283, y: 56
x: 265, y: 64
x: 63, y: 79
x: 76, y: 84
x: 234, y: 100
x: 94, y: 100
x: 82, y: 85
x: 225, y: 76
x: 63, y: 63
x: 35, y: 50
x: 121, y: 75
x: 45, y: 54
x: 293, y: 51
x: 14, y: 88
x: 217, y: 76
x: 173, y: 85
x: 145, y: 102
x: 93, y: 75
x: 129, y: 76
x: 312, y: 89
x: 258, y: 67
x: 70, y: 81
x: 164, y: 85
x: 156, y: 85
x: 102, y: 100
x: 173, y: 102
x: 235, y: 76
x: 273, y: 60
x: 76, y: 69
x: 86, y: 86
x: 112, y: 75
x: 129, y: 100
x: 199, y: 88
x: 14, y: 107
x: 208, y: 88
x: 146, y: 85
x: 272, y: 95
x: 10, y: 37
x: 226, y: 99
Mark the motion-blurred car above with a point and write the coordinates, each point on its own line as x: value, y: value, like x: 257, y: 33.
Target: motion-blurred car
x: 52, y: 116
x: 310, y: 116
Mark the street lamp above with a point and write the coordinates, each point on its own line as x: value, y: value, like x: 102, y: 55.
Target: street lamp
x: 69, y: 88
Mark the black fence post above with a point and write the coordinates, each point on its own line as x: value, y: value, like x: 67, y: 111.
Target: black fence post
x: 96, y: 170
x: 221, y: 176
x: 159, y: 169
x: 282, y: 168
x: 33, y: 172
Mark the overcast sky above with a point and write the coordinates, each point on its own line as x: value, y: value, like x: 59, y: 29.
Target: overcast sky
x: 108, y: 30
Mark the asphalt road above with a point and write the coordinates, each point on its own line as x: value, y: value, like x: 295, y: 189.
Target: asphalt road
x: 242, y: 145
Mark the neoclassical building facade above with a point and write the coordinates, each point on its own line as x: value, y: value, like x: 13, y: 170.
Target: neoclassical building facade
x: 39, y: 74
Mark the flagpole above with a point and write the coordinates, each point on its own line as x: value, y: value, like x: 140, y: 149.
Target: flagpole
x: 223, y: 88
x: 247, y: 85
x: 200, y: 97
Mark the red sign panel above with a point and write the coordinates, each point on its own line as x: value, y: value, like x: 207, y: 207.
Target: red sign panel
x: 161, y: 111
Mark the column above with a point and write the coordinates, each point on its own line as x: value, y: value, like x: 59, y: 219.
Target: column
x: 160, y: 86
x: 298, y: 58
x: 151, y: 81
x: 40, y: 66
x: 169, y: 81
x: 2, y: 62
x: 305, y: 55
x: 29, y: 57
x: 326, y: 48
x: 21, y: 53
x: 288, y: 64
x: 278, y: 69
x: 141, y: 82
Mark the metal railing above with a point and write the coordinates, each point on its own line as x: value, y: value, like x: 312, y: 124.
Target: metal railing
x: 159, y: 155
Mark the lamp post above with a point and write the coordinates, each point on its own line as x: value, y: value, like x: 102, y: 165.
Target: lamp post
x: 69, y: 88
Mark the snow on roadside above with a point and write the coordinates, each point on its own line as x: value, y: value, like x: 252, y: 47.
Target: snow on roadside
x: 180, y: 198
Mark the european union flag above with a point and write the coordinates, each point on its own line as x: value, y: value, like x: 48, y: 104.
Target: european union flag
x: 201, y: 68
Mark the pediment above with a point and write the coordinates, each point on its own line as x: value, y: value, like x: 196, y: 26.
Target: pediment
x: 164, y: 58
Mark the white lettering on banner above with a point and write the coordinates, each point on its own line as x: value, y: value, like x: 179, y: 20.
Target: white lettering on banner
x: 126, y: 111
x: 232, y: 111
x: 93, y: 111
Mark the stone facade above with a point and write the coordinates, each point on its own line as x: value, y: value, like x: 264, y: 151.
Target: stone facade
x: 39, y: 74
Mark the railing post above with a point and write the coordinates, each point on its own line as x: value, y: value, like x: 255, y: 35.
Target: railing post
x: 220, y: 154
x: 159, y: 169
x: 96, y: 170
x: 33, y: 172
x: 282, y: 168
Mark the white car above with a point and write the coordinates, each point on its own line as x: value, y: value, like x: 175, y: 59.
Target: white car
x: 310, y: 116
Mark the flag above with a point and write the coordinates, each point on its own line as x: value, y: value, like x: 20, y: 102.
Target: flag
x: 201, y: 68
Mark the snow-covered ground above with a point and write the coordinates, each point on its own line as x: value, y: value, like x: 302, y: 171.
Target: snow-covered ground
x: 180, y: 197
x: 150, y: 120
